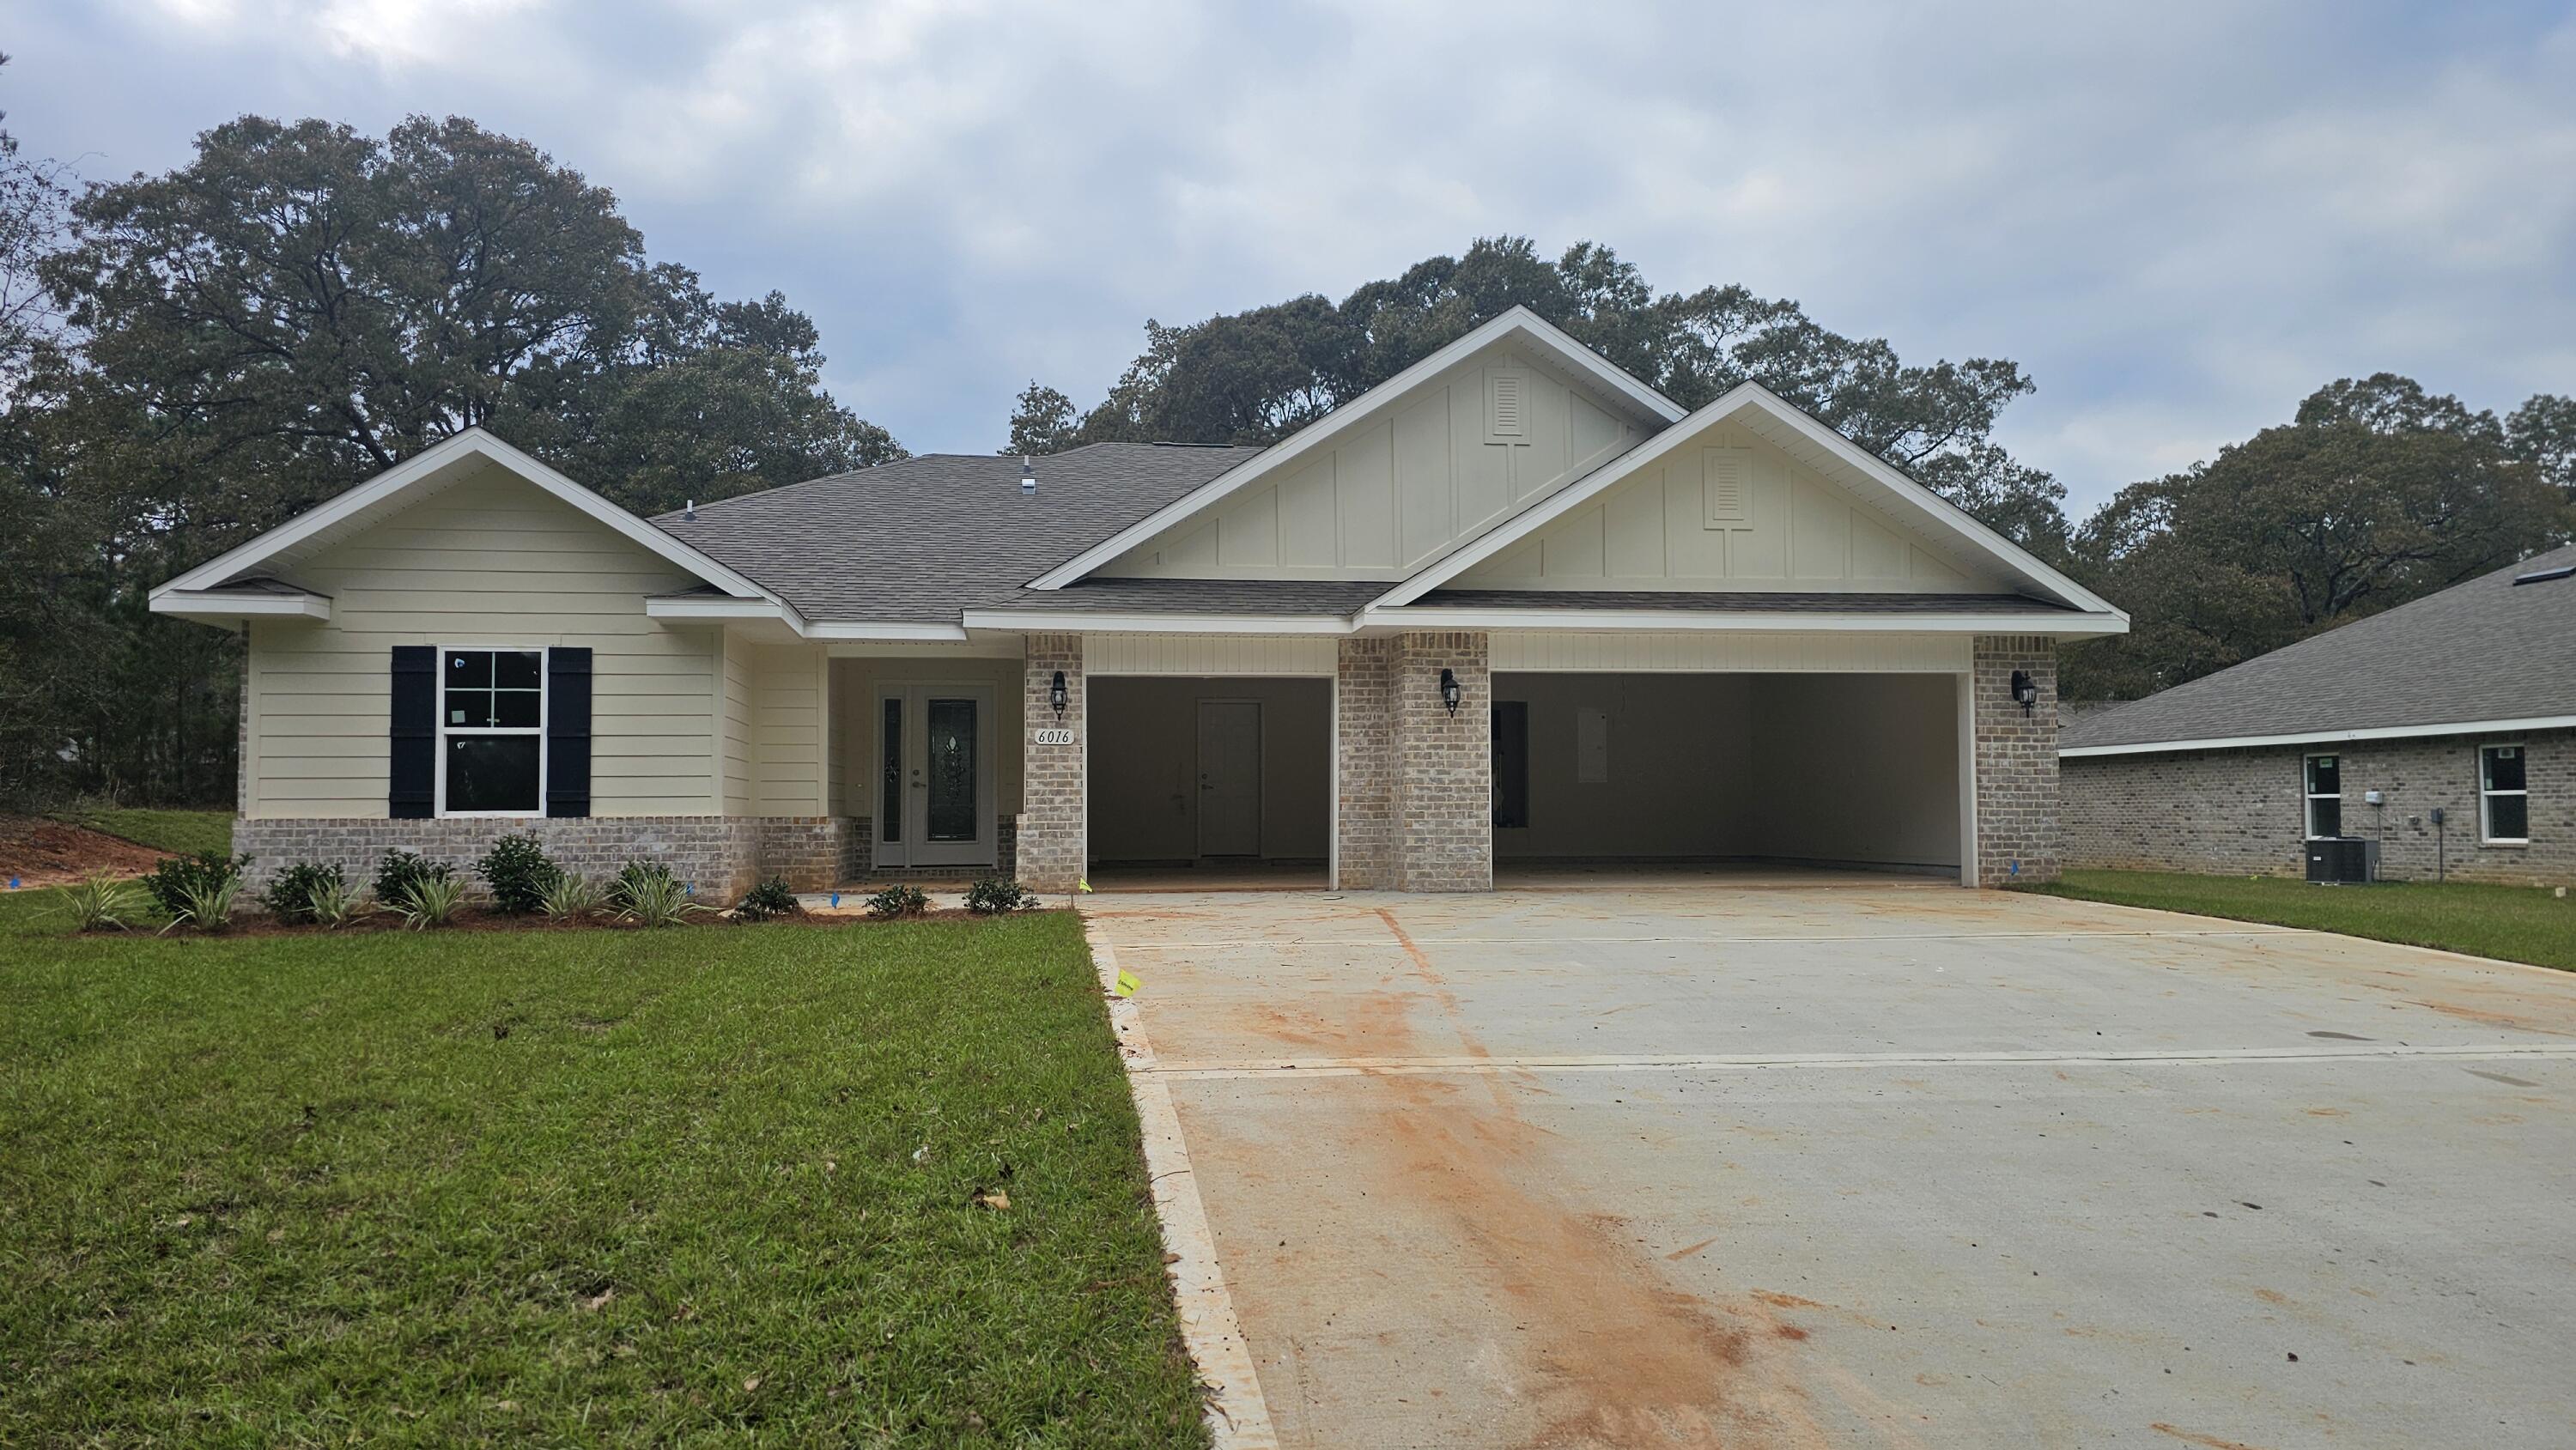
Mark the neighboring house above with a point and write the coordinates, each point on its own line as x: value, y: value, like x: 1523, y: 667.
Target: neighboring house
x: 1511, y: 605
x: 2463, y: 702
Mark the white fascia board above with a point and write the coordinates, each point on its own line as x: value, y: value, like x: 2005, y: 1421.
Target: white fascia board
x: 711, y: 607
x: 2056, y: 624
x: 890, y: 630
x: 473, y: 442
x: 226, y: 608
x: 1039, y: 621
x: 1520, y: 527
x: 1518, y: 321
x: 2326, y: 737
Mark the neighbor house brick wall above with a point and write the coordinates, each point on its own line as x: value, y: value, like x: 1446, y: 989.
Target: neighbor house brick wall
x: 2244, y: 811
x: 1444, y: 764
x: 719, y: 855
x: 1364, y: 764
x: 1053, y: 829
x: 2017, y: 806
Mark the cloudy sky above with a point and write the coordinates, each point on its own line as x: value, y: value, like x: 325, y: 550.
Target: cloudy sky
x: 2179, y: 218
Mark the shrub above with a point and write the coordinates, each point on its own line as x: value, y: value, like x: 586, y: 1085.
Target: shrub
x: 431, y: 901
x: 336, y: 903
x: 100, y: 901
x: 569, y: 897
x: 996, y: 896
x: 771, y: 898
x: 519, y: 871
x: 897, y: 901
x: 205, y: 902
x: 289, y: 898
x: 400, y: 871
x: 183, y: 879
x: 649, y: 895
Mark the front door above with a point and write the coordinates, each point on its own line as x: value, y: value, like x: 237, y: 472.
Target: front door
x: 1229, y: 777
x: 934, y: 775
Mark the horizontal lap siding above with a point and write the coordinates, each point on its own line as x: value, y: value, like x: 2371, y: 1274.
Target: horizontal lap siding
x: 787, y: 728
x: 490, y: 561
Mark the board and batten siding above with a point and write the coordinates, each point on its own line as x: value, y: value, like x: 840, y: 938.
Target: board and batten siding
x: 1726, y: 510
x: 1783, y: 652
x: 1448, y: 459
x: 487, y: 561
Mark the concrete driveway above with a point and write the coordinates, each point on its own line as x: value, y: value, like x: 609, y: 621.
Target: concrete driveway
x: 1735, y: 1165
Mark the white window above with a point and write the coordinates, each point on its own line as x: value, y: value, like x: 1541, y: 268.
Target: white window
x: 491, y: 732
x: 2325, y: 796
x: 2504, y: 802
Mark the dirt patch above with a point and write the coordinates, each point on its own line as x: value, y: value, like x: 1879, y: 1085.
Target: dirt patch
x: 39, y: 852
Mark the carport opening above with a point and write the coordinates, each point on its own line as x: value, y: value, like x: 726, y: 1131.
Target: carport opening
x: 1210, y: 781
x: 1842, y: 771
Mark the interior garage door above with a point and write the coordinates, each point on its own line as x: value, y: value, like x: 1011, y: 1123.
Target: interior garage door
x: 1822, y: 769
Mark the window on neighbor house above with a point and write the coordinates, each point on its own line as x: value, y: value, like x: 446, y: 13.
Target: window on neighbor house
x: 491, y: 732
x: 2325, y: 796
x: 2504, y: 802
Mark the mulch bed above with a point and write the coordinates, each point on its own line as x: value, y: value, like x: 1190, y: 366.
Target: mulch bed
x: 478, y: 918
x: 41, y: 852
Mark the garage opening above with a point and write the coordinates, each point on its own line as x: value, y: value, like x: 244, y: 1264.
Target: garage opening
x: 1210, y: 781
x: 1840, y: 771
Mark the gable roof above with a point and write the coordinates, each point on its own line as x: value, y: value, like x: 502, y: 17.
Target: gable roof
x: 2483, y: 655
x: 1517, y: 324
x: 197, y: 592
x: 920, y: 540
x: 1804, y: 436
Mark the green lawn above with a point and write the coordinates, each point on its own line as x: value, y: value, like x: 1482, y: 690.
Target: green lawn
x: 2515, y: 923
x: 185, y: 832
x: 715, y: 1185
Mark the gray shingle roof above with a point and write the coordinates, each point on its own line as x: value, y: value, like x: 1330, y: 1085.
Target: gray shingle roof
x: 1209, y: 596
x: 920, y: 540
x: 1764, y: 601
x: 2488, y: 649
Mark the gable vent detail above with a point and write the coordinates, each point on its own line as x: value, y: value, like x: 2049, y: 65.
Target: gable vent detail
x: 1506, y: 404
x: 1727, y: 486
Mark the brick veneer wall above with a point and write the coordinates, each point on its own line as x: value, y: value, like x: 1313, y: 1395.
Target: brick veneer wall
x: 2017, y: 805
x: 1053, y: 829
x: 1364, y: 764
x: 720, y: 855
x: 1444, y: 765
x: 2244, y: 811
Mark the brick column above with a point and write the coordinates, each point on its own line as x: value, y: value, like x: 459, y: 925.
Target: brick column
x: 1053, y: 826
x: 1444, y: 765
x: 1364, y: 763
x: 2016, y: 760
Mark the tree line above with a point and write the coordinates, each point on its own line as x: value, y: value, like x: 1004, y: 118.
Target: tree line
x: 190, y: 358
x: 2374, y: 493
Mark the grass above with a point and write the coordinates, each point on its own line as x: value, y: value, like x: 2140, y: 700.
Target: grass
x: 706, y: 1186
x: 183, y: 832
x: 2514, y: 923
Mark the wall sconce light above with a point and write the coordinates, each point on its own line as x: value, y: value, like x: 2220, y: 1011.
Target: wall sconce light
x: 1058, y: 695
x: 2025, y: 690
x: 1449, y: 689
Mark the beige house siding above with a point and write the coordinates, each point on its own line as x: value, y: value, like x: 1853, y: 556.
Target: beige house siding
x: 789, y: 705
x: 1403, y: 487
x: 490, y: 561
x: 1727, y: 510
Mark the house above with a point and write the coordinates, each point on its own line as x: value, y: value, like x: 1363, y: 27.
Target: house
x: 1512, y: 606
x: 2444, y: 730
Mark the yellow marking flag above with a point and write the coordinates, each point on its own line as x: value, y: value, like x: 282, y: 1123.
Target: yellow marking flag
x: 1127, y: 984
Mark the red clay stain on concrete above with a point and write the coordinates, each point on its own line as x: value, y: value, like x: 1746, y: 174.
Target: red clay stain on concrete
x: 2209, y: 1442
x: 1688, y: 1252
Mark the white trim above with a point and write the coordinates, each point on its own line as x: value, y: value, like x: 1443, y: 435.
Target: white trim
x: 2055, y: 623
x: 545, y: 705
x: 886, y: 630
x: 1034, y: 621
x: 710, y: 607
x: 2309, y: 795
x: 223, y: 606
x: 2487, y: 794
x: 1517, y: 321
x: 1965, y: 684
x: 471, y: 443
x: 2003, y: 551
x: 2325, y: 737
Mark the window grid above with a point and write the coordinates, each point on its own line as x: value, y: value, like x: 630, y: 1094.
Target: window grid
x: 2504, y: 796
x: 2323, y: 784
x: 491, y: 732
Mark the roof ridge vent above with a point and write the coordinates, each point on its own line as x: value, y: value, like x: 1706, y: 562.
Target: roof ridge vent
x: 1028, y: 476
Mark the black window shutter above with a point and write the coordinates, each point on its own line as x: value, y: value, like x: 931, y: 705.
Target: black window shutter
x: 411, y: 784
x: 567, y: 732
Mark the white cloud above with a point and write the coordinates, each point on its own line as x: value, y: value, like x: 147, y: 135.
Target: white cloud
x: 2180, y: 219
